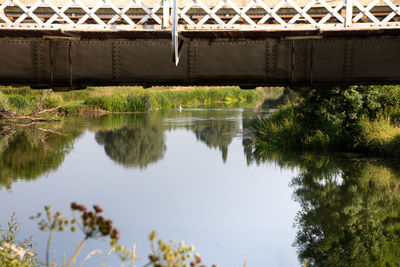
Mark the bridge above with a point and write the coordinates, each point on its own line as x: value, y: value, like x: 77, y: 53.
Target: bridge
x: 71, y: 44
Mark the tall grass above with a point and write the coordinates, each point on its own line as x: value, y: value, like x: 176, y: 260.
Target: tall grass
x: 119, y: 103
x: 144, y: 100
x: 20, y: 99
x: 126, y: 99
x: 3, y: 101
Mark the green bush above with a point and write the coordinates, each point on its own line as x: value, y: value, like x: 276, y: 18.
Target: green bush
x: 356, y: 118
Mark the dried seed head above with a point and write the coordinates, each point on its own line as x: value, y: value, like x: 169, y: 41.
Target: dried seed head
x: 97, y: 208
x: 85, y: 216
x: 109, y: 223
x: 115, y: 234
x: 152, y: 235
x: 74, y: 206
x: 153, y: 258
x: 198, y: 259
x: 82, y: 208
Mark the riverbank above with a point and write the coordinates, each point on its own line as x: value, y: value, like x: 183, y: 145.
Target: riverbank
x: 24, y: 101
x: 362, y: 119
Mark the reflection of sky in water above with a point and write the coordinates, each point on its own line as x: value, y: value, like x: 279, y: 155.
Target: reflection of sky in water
x: 230, y: 212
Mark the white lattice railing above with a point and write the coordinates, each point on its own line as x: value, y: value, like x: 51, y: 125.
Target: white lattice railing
x: 86, y: 15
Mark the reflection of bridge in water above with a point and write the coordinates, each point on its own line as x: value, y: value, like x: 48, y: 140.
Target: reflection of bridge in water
x: 75, y: 43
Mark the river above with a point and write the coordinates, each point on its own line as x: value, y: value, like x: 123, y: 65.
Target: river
x: 192, y: 176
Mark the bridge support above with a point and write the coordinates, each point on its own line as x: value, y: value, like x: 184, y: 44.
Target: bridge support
x: 295, y: 62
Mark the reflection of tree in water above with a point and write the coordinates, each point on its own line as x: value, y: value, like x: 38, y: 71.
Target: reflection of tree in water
x: 133, y: 146
x: 351, y: 221
x: 246, y: 142
x: 215, y: 133
x: 30, y: 152
x: 350, y: 212
x: 286, y: 97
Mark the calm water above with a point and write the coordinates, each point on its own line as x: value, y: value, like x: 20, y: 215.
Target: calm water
x: 192, y: 176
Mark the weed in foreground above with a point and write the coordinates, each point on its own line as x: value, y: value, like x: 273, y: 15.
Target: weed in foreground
x: 92, y: 225
x: 14, y: 253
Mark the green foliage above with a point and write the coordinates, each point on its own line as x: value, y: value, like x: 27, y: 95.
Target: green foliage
x: 344, y: 119
x: 15, y: 253
x: 277, y: 130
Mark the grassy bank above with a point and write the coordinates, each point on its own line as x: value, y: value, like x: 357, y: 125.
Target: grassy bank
x: 354, y: 119
x: 124, y: 99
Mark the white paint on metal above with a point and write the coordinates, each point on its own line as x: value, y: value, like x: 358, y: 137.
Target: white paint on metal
x: 194, y: 15
x: 349, y: 13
